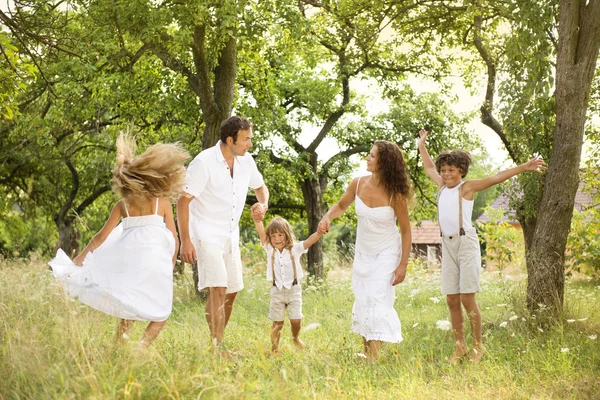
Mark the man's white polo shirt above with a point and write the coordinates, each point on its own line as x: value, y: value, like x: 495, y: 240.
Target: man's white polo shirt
x: 218, y: 198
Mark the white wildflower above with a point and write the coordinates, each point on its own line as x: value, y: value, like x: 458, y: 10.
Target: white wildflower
x: 361, y: 355
x: 435, y: 299
x: 413, y: 292
x: 513, y: 317
x: 582, y: 319
x: 443, y: 324
x: 564, y: 349
x: 501, y: 305
x: 415, y: 324
x: 592, y: 337
x: 570, y: 321
x: 311, y: 326
x: 523, y: 319
x: 540, y: 329
x: 503, y: 324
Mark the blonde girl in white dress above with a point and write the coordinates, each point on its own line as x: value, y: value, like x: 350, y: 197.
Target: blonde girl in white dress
x: 127, y: 270
x: 381, y: 252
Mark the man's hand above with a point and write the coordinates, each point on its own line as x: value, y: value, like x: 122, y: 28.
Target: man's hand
x: 188, y: 252
x: 258, y: 211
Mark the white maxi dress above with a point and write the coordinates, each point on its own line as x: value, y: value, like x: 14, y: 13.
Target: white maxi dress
x: 130, y: 276
x: 377, y: 255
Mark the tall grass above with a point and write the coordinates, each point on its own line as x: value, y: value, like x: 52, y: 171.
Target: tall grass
x: 53, y: 347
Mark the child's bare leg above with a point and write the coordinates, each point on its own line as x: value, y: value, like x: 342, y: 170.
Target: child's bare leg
x: 276, y: 335
x: 296, y: 326
x: 123, y: 329
x: 474, y: 315
x: 151, y: 332
x: 373, y: 347
x: 456, y: 318
x: 365, y: 345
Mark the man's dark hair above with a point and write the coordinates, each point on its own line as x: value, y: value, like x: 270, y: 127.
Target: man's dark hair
x: 232, y: 125
x: 457, y: 158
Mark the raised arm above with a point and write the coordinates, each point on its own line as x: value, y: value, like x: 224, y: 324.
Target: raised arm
x: 261, y: 207
x: 100, y: 237
x: 260, y: 228
x: 312, y: 239
x: 477, y: 185
x: 338, y: 208
x: 401, y: 211
x: 428, y: 163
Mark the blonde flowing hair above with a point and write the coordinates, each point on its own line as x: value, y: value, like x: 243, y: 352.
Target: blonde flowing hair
x: 280, y: 225
x: 158, y: 172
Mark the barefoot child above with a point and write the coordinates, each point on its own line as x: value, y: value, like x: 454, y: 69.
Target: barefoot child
x: 128, y: 272
x: 284, y: 271
x: 461, y: 257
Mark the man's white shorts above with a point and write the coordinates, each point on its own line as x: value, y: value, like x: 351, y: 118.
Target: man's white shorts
x: 286, y: 298
x: 218, y: 267
x: 461, y: 263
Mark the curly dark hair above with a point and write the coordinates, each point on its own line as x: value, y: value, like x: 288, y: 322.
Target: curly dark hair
x: 457, y: 158
x: 393, y: 170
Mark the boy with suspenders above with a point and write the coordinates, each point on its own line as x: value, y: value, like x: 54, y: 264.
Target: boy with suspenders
x: 461, y: 257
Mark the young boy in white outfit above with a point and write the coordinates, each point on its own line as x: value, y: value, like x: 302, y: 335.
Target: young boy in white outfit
x: 461, y: 257
x: 284, y: 271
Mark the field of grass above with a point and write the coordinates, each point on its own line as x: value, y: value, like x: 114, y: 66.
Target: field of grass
x: 52, y: 347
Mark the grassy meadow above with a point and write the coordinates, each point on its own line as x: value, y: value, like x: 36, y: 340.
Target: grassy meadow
x: 52, y: 347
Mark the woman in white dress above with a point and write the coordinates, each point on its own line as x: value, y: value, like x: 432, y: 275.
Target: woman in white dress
x: 127, y: 270
x: 381, y: 252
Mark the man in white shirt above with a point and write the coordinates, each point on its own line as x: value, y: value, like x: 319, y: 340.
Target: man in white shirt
x: 208, y: 216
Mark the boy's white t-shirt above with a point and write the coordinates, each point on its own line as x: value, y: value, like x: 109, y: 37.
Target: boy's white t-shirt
x: 284, y: 272
x: 448, y: 211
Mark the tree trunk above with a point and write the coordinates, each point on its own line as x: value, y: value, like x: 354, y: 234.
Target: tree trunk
x: 578, y: 46
x: 313, y: 198
x: 68, y: 238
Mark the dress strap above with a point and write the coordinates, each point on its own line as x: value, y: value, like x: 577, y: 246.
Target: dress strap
x: 125, y: 204
x: 156, y: 208
x: 357, y: 182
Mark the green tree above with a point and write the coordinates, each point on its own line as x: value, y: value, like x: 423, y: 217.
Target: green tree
x: 548, y: 53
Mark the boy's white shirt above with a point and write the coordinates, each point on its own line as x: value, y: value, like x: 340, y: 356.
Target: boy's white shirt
x: 448, y: 211
x: 284, y: 273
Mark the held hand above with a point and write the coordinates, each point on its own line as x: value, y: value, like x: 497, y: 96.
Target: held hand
x: 323, y: 226
x: 422, y: 136
x: 258, y: 211
x: 79, y: 260
x: 399, y: 274
x: 534, y: 164
x: 188, y: 252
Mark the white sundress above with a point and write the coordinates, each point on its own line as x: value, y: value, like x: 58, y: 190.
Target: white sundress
x: 130, y: 276
x: 377, y: 254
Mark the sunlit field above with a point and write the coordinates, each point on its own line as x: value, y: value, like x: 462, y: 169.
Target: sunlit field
x: 54, y: 347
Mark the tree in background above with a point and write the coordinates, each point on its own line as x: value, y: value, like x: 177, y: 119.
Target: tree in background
x: 540, y: 59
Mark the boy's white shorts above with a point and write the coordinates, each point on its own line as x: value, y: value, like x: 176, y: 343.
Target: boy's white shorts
x: 286, y: 298
x: 218, y: 267
x: 461, y: 263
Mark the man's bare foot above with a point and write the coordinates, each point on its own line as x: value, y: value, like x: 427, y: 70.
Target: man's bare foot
x: 299, y: 343
x: 476, y: 353
x: 459, y: 353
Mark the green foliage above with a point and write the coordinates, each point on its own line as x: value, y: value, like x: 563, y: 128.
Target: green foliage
x: 583, y: 244
x: 504, y: 243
